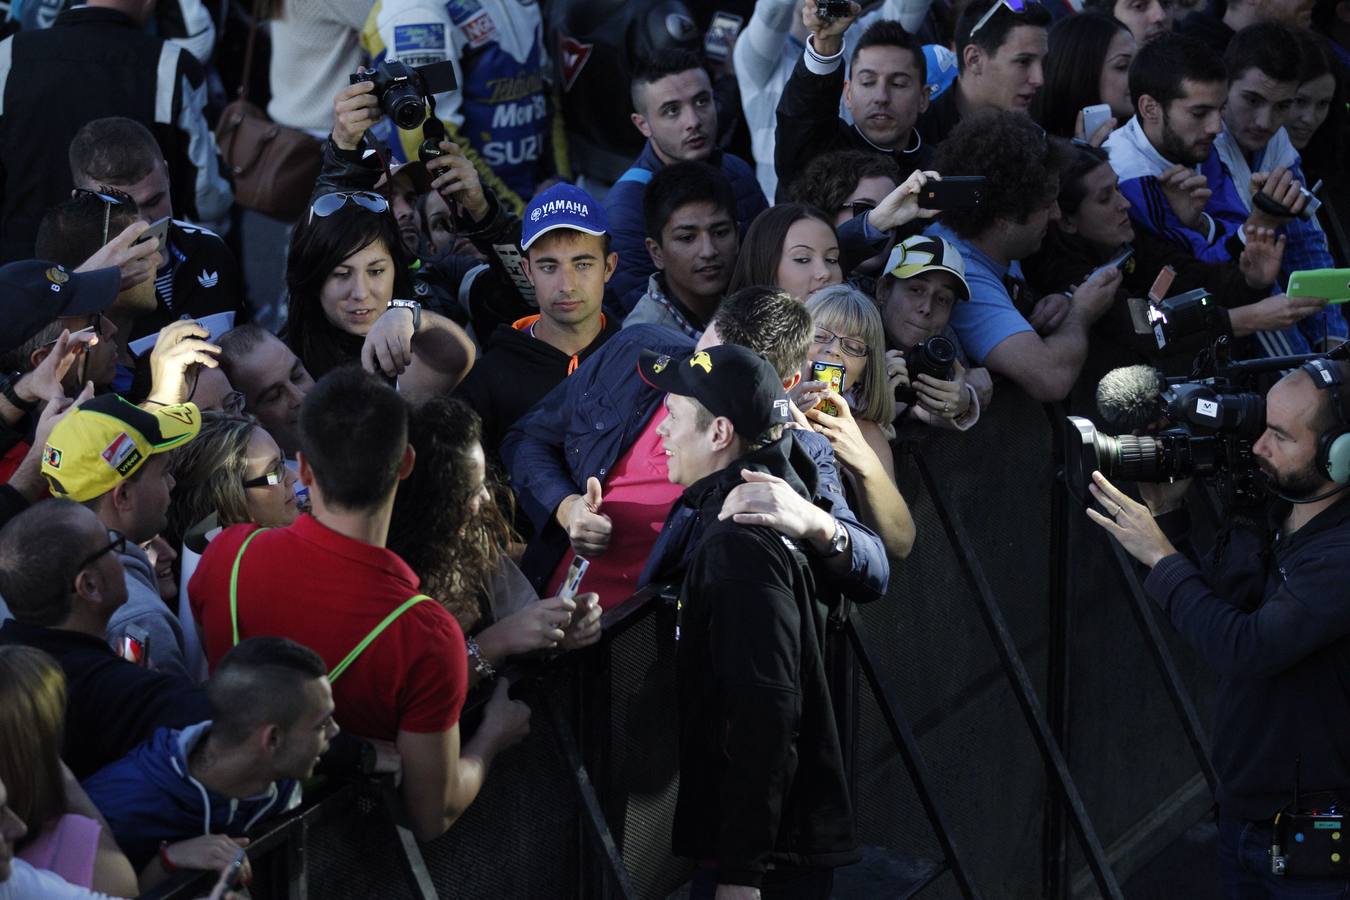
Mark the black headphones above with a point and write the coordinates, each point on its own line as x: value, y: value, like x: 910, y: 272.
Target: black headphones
x: 1333, y: 445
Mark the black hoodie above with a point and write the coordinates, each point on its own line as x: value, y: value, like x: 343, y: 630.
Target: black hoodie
x: 517, y: 370
x: 761, y: 772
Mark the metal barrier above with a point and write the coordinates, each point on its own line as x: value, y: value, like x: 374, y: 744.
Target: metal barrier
x: 990, y: 703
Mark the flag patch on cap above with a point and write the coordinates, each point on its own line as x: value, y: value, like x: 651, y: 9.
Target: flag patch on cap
x: 122, y: 454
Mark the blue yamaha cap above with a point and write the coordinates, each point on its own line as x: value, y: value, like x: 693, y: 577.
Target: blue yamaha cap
x: 562, y: 206
x: 34, y: 293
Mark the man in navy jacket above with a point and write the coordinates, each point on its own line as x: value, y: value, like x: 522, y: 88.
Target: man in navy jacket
x: 674, y: 109
x: 1272, y: 615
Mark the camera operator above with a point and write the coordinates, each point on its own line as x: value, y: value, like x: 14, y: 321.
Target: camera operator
x: 1270, y: 611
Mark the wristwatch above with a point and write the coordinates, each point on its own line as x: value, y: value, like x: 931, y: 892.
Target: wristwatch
x: 838, y: 543
x: 412, y: 305
x: 480, y: 664
x: 7, y: 388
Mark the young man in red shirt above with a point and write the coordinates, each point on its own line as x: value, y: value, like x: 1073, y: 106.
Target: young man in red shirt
x: 397, y: 660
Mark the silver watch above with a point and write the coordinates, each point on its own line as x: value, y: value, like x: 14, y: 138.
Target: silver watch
x: 412, y: 305
x: 839, y: 542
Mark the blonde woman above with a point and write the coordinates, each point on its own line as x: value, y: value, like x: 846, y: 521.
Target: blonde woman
x: 849, y: 333
x: 66, y: 835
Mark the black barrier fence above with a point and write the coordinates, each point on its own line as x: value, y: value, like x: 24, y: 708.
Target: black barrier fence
x: 1016, y: 723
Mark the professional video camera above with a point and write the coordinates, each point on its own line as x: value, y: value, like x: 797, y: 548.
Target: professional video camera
x: 1181, y: 427
x: 405, y: 90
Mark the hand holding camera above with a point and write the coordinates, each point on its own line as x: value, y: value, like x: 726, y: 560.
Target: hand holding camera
x: 827, y: 20
x: 1276, y: 198
x: 355, y: 110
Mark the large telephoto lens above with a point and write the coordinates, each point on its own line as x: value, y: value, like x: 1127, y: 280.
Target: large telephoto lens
x: 1129, y: 458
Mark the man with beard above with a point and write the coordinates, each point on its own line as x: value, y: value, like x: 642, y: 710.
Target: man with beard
x: 1269, y: 610
x: 1169, y: 168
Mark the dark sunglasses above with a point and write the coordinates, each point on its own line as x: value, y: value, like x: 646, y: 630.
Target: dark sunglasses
x: 267, y: 479
x: 1016, y: 7
x: 118, y: 545
x: 330, y: 203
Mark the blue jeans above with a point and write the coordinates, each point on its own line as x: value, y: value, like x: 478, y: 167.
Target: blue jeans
x: 1244, y: 865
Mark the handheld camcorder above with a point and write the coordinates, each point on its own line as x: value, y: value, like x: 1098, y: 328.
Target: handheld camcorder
x: 405, y: 90
x: 935, y: 357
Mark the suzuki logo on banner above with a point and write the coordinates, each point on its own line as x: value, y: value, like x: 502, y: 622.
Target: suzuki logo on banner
x: 572, y: 57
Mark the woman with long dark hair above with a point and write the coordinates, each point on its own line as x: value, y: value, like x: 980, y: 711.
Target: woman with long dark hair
x: 1316, y: 127
x: 349, y: 291
x: 1088, y: 63
x: 448, y: 527
x: 790, y: 246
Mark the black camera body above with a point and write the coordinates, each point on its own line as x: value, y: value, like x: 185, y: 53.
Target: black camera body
x: 833, y: 9
x: 404, y: 90
x: 935, y: 357
x: 1177, y: 318
x: 1213, y: 425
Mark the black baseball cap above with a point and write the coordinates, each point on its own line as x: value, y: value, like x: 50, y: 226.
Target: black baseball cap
x: 34, y: 293
x: 729, y: 380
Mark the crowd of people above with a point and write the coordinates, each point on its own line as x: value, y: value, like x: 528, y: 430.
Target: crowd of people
x: 252, y: 527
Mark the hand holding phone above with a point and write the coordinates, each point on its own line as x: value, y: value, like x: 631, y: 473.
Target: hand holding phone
x: 229, y: 876
x: 1332, y: 285
x: 953, y: 192
x: 1094, y: 117
x: 158, y: 229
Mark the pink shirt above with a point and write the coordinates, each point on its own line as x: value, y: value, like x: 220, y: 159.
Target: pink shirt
x: 637, y: 496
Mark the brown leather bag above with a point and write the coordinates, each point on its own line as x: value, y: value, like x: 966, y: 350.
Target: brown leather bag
x: 273, y: 167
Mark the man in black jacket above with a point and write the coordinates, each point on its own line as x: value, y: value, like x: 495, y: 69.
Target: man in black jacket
x: 62, y: 578
x: 1273, y: 616
x: 885, y: 93
x: 97, y: 61
x: 199, y: 276
x: 763, y: 801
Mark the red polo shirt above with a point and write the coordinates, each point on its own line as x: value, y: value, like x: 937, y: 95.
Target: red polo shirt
x: 308, y: 583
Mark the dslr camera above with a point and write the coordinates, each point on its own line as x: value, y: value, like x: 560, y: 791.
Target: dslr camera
x: 833, y: 9
x: 935, y: 357
x: 405, y: 90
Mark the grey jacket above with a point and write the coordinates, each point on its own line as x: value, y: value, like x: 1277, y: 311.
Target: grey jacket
x: 145, y: 609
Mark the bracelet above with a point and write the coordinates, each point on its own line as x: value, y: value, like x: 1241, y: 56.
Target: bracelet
x: 8, y: 386
x: 480, y: 664
x: 164, y: 858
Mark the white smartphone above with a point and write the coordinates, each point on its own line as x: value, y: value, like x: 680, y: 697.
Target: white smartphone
x: 575, y: 571
x: 1093, y: 117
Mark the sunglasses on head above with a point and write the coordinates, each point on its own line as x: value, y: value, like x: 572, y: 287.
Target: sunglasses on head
x: 330, y: 203
x: 1015, y: 7
x: 109, y: 201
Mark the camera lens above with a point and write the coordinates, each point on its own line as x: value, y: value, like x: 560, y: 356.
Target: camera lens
x: 405, y: 106
x: 1131, y: 458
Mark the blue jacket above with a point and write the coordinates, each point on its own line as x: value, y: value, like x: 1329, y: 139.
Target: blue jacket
x: 628, y: 234
x: 148, y: 797
x: 585, y: 424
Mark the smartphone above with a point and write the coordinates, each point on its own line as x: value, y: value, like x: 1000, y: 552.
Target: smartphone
x: 575, y: 572
x: 833, y: 376
x: 1117, y: 263
x: 1093, y: 117
x: 953, y: 192
x: 229, y: 876
x: 722, y: 31
x: 158, y: 229
x: 134, y: 646
x: 1332, y: 284
x: 1162, y: 284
